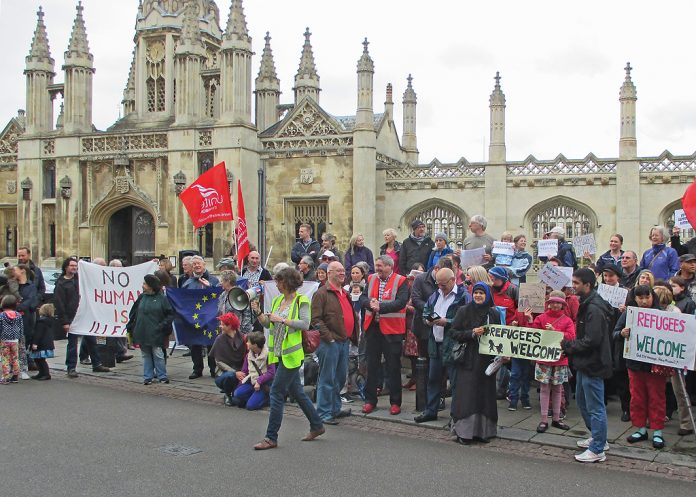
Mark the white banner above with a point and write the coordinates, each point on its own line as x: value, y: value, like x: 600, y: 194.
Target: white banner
x: 270, y: 291
x: 554, y: 276
x: 659, y: 337
x: 503, y: 248
x: 547, y: 248
x: 615, y: 295
x: 585, y: 243
x: 473, y: 257
x: 680, y: 220
x: 106, y: 297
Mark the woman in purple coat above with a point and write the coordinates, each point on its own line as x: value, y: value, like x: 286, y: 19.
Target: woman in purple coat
x: 357, y: 252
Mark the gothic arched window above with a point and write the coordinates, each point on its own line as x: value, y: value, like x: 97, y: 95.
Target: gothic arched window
x: 440, y: 218
x: 574, y: 220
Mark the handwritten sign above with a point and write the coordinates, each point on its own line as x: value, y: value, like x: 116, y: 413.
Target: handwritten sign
x: 547, y: 248
x: 680, y: 220
x: 523, y: 343
x: 659, y: 337
x: 473, y: 257
x: 615, y: 295
x: 532, y: 296
x: 503, y: 248
x: 554, y: 276
x: 106, y: 297
x: 585, y: 243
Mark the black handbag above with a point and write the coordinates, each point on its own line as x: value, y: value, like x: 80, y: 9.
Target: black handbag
x: 458, y: 354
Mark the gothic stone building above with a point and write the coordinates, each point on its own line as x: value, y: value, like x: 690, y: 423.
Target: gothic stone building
x: 68, y: 188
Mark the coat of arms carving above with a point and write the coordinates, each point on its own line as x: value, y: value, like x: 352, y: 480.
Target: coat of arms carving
x: 306, y: 176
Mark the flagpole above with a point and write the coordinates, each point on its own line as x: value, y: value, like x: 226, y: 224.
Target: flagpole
x: 268, y: 256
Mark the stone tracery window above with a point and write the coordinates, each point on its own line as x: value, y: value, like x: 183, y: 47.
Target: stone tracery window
x: 438, y: 218
x: 573, y: 220
x: 155, y: 82
x: 211, y: 100
x: 668, y: 220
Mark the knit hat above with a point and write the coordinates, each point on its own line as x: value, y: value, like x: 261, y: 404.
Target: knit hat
x: 324, y: 266
x: 153, y: 282
x: 441, y: 236
x: 230, y: 319
x: 415, y: 223
x: 557, y: 296
x: 499, y: 272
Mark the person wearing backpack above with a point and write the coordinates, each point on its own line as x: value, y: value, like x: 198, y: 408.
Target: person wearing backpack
x: 566, y: 253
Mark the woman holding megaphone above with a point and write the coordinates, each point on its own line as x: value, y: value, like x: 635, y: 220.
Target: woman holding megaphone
x: 228, y: 281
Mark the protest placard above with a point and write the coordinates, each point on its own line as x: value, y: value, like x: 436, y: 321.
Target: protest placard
x: 532, y: 296
x: 554, y: 276
x: 585, y: 244
x: 106, y: 297
x: 523, y: 343
x: 547, y: 248
x: 473, y: 257
x: 680, y: 220
x: 659, y: 337
x: 503, y: 248
x: 615, y: 295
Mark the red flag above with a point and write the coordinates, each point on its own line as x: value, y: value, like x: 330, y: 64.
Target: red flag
x: 207, y: 199
x: 689, y: 203
x: 241, y: 232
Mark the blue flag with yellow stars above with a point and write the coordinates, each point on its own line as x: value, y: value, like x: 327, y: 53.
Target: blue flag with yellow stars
x: 196, y: 314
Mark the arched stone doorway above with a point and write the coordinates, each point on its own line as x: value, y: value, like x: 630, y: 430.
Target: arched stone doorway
x: 131, y: 235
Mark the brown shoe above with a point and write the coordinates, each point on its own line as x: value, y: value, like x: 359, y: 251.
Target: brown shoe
x: 100, y: 369
x: 265, y: 444
x: 314, y: 434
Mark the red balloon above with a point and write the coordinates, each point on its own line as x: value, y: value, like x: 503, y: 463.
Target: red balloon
x: 689, y: 203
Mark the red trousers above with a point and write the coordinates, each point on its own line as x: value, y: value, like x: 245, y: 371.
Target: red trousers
x: 647, y: 399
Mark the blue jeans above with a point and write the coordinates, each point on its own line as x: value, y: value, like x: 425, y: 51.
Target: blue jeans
x: 227, y: 382
x: 250, y: 398
x: 435, y: 369
x: 520, y: 375
x: 333, y: 370
x: 71, y: 353
x: 288, y: 381
x: 153, y: 362
x: 589, y: 393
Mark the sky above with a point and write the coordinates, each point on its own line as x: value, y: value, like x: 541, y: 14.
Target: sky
x: 562, y: 64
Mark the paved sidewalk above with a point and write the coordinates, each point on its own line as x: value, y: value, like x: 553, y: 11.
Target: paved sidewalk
x: 518, y: 426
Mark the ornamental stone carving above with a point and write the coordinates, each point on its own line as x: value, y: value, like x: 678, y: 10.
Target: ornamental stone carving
x: 307, y: 176
x: 11, y: 186
x: 65, y: 187
x: 179, y: 182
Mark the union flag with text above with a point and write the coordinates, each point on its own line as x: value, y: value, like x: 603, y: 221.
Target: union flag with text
x: 207, y: 200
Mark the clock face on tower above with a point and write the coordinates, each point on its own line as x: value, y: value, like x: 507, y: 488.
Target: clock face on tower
x: 155, y: 51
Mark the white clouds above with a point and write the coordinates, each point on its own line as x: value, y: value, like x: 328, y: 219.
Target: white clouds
x: 562, y: 65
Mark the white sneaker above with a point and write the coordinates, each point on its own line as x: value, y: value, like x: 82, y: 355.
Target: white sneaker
x: 585, y: 444
x: 25, y: 376
x: 589, y: 456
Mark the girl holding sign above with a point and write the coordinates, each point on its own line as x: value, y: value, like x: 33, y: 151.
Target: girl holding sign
x: 552, y: 375
x: 647, y: 388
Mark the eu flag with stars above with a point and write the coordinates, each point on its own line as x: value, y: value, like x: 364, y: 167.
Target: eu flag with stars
x: 196, y: 314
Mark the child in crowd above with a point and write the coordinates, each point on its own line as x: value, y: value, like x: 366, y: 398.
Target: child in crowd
x: 552, y: 375
x: 11, y: 331
x: 256, y: 375
x: 682, y: 298
x: 646, y: 383
x: 228, y: 351
x: 42, y: 341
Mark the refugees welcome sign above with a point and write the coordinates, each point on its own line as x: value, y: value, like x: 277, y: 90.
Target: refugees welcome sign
x: 106, y: 297
x: 658, y: 337
x: 523, y: 343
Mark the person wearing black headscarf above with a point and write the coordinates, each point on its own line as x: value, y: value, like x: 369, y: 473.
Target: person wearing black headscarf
x: 474, y: 407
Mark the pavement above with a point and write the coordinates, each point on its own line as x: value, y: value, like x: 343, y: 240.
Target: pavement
x: 77, y: 438
x: 518, y: 426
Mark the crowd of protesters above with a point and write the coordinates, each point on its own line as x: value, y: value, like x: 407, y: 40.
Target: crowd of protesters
x: 410, y: 298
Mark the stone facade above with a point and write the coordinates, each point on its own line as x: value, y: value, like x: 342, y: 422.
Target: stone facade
x: 67, y: 188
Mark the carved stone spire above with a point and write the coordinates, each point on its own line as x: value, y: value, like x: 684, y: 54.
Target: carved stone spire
x: 496, y: 148
x: 78, y: 47
x: 409, y: 139
x: 39, y: 71
x: 236, y: 23
x: 389, y: 102
x: 267, y: 70
x: 307, y: 78
x: 129, y: 92
x: 79, y: 70
x: 628, y: 143
x: 267, y: 89
x: 39, y: 44
x: 366, y: 70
